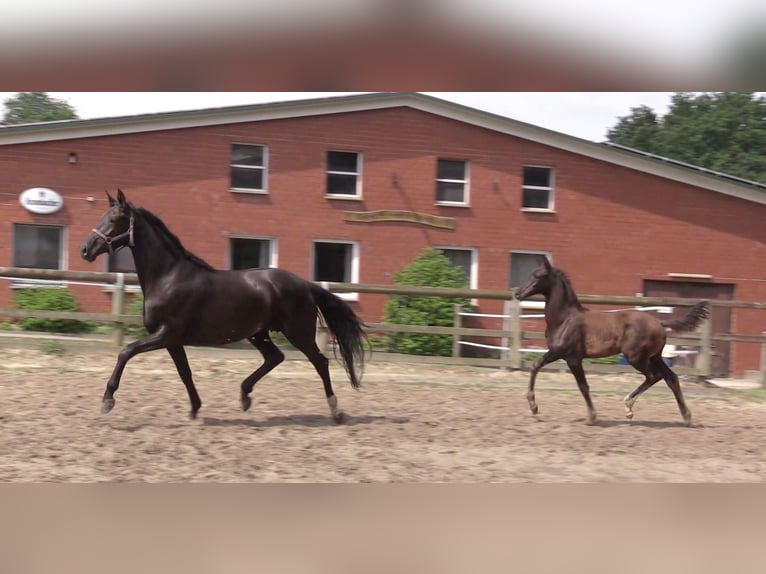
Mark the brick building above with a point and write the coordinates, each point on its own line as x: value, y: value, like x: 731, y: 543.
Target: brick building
x: 293, y: 185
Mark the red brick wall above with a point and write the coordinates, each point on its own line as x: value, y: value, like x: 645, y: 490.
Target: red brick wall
x: 612, y: 228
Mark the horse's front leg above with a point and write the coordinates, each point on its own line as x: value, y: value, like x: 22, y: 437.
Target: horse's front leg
x: 548, y: 357
x: 582, y: 383
x: 149, y: 342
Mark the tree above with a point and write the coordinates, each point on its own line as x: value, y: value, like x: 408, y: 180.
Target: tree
x: 33, y: 107
x: 431, y: 269
x: 723, y: 131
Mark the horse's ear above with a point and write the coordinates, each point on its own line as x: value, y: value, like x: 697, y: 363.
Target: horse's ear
x: 546, y: 262
x: 112, y: 201
x: 121, y: 198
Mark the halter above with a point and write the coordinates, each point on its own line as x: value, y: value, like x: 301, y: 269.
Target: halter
x: 109, y: 240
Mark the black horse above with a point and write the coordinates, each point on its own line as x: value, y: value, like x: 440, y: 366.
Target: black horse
x: 187, y: 302
x: 574, y: 333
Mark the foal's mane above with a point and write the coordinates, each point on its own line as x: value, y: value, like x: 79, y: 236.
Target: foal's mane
x: 566, y: 284
x: 172, y: 239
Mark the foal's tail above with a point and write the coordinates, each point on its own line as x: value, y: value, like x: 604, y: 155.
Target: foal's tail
x: 346, y: 327
x: 689, y: 321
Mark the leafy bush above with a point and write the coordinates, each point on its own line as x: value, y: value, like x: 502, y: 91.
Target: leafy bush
x: 432, y: 269
x: 50, y: 299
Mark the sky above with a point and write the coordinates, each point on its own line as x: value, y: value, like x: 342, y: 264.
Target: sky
x: 587, y: 115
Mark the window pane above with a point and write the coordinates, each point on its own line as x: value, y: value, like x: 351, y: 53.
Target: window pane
x: 250, y: 253
x: 246, y: 178
x: 447, y: 191
x: 460, y: 258
x: 450, y: 169
x: 342, y: 161
x: 537, y: 176
x: 38, y: 247
x: 522, y: 266
x: 341, y: 184
x: 332, y: 262
x: 122, y: 261
x: 536, y: 198
x: 247, y: 155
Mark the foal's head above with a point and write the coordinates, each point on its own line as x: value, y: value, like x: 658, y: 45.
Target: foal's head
x: 539, y: 282
x: 115, y: 230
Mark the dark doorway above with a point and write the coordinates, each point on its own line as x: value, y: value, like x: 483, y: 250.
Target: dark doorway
x: 721, y: 315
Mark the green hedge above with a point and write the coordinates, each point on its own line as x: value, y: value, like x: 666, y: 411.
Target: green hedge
x: 432, y: 269
x: 50, y: 299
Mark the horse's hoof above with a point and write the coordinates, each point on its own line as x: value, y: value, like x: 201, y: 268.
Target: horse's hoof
x: 246, y: 402
x: 629, y: 414
x: 107, y: 405
x: 192, y: 415
x: 688, y: 420
x: 592, y: 419
x: 339, y: 417
x: 534, y: 409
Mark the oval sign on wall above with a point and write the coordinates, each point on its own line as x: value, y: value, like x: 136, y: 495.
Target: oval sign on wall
x: 41, y: 200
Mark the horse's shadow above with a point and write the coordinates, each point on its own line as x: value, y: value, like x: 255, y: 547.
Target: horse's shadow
x: 305, y: 420
x: 646, y: 424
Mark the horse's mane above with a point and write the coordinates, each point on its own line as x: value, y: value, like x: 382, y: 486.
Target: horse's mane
x: 569, y: 293
x: 173, y: 240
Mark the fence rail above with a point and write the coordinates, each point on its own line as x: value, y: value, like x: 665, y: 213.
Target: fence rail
x: 511, y: 334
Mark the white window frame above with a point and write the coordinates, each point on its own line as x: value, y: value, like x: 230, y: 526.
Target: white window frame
x: 550, y: 189
x: 354, y: 272
x: 357, y: 174
x: 473, y: 275
x: 63, y: 258
x: 466, y: 183
x: 273, y: 247
x: 264, y: 190
x: 548, y: 255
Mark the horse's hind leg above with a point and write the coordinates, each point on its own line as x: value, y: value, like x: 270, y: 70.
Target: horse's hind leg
x: 305, y: 342
x: 582, y: 383
x: 184, y: 371
x: 272, y: 356
x: 651, y: 374
x: 672, y: 380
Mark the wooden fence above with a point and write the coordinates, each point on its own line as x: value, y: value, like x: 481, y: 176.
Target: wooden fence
x: 511, y: 334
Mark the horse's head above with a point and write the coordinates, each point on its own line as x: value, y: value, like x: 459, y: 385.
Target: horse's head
x: 539, y: 282
x: 115, y: 230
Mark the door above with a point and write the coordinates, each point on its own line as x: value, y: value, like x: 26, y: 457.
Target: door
x: 721, y: 315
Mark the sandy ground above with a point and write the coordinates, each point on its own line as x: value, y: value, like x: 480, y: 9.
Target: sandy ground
x: 408, y: 423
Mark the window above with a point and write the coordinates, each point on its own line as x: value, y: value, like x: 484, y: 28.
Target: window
x: 466, y: 260
x: 252, y: 252
x: 121, y: 261
x: 248, y: 168
x: 344, y: 174
x: 337, y: 262
x: 523, y: 264
x: 537, y: 192
x: 38, y: 246
x: 452, y: 181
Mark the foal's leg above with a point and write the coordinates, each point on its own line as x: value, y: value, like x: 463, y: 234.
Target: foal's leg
x: 184, y: 371
x: 582, y: 383
x: 150, y: 342
x: 548, y: 357
x: 272, y: 356
x: 648, y: 368
x: 672, y: 380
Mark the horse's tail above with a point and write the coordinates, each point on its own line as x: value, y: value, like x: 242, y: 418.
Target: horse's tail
x: 346, y: 327
x: 689, y: 321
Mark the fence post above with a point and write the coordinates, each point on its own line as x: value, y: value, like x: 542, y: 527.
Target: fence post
x: 515, y: 312
x: 457, y: 322
x: 704, y: 361
x: 763, y: 362
x: 505, y: 342
x: 118, y: 308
